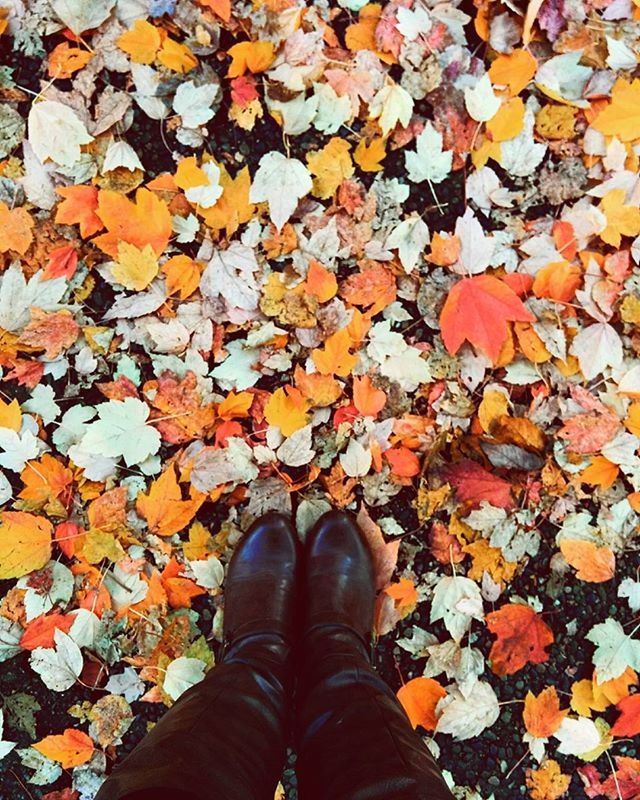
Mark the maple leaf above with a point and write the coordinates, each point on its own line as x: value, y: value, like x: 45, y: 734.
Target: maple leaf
x: 17, y: 229
x: 179, y: 404
x: 40, y: 631
x: 71, y: 748
x: 622, y: 219
x: 330, y: 166
x: 52, y: 333
x: 79, y: 207
x: 47, y: 485
x: 287, y: 409
x: 419, y: 698
x: 621, y: 117
x: 141, y: 43
x: 594, y: 564
x: 252, y: 56
x: 548, y: 782
x: 473, y: 483
x: 477, y: 310
x: 163, y: 507
x: 542, y: 714
x: 25, y: 543
x: 335, y: 358
x: 628, y: 723
x: 146, y: 221
x: 522, y: 637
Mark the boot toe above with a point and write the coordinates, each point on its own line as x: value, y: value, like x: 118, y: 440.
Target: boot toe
x: 337, y: 539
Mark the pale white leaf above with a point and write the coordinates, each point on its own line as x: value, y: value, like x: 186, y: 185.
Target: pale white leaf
x: 449, y: 604
x: 231, y: 274
x: 182, y: 673
x: 55, y: 132
x: 17, y: 448
x: 409, y: 238
x: 80, y: 15
x: 391, y: 105
x: 597, y: 347
x: 429, y: 162
x: 577, y: 736
x: 631, y: 590
x: 193, y: 103
x: 464, y: 717
x: 59, y: 666
x: 127, y: 684
x: 122, y: 431
x: 281, y: 182
x: 615, y: 650
x: 296, y: 450
x: 121, y: 154
x: 209, y: 572
x: 356, y: 461
x: 481, y: 101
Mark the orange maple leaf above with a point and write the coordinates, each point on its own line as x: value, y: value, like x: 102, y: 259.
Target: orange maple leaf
x: 522, y: 638
x: 593, y: 564
x: 163, y: 507
x: 628, y: 723
x: 146, y: 221
x: 419, y: 698
x: 79, y: 208
x: 71, y: 748
x: 335, y: 357
x: 477, y: 310
x: 51, y: 332
x: 17, y: 226
x: 39, y: 632
x: 542, y: 714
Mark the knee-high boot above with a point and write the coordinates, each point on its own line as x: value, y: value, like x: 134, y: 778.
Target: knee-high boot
x: 353, y: 738
x: 225, y: 738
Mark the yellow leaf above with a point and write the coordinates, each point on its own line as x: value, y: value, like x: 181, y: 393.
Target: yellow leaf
x: 320, y: 282
x: 632, y: 422
x: 199, y: 544
x: 583, y: 699
x: 183, y: 275
x: 135, y: 268
x: 601, y: 472
x: 287, y: 409
x: 16, y: 226
x: 494, y: 404
x: 621, y: 117
x: 176, y: 57
x: 71, y: 748
x: 369, y: 156
x: 622, y: 220
x: 593, y: 564
x: 513, y: 71
x: 25, y: 543
x: 330, y: 166
x: 250, y: 56
x: 334, y: 358
x: 556, y: 122
x: 547, y: 783
x: 99, y: 544
x: 163, y: 507
x: 10, y: 415
x: 141, y: 43
x: 235, y: 406
x: 508, y: 122
x: 233, y: 207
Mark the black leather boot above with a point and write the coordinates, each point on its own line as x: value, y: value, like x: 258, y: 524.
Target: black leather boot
x: 353, y: 738
x: 225, y: 738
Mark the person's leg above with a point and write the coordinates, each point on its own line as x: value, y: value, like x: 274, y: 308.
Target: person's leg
x: 353, y: 738
x: 225, y: 738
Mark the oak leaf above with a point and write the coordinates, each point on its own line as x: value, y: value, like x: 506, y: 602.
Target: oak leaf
x: 70, y: 748
x: 477, y: 310
x: 522, y: 637
x: 419, y: 698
